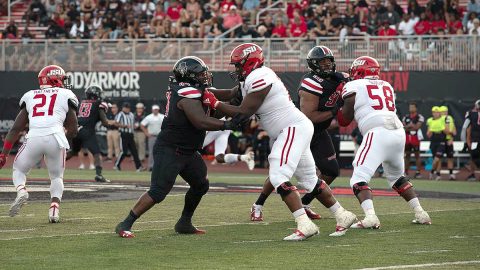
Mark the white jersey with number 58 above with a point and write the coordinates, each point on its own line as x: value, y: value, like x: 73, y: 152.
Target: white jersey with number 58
x: 374, y: 104
x: 277, y: 110
x: 47, y: 110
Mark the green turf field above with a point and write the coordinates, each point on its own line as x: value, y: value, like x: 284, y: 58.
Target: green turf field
x: 85, y: 240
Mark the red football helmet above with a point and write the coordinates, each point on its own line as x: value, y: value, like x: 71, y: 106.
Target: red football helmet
x: 364, y: 66
x: 246, y: 58
x: 53, y: 76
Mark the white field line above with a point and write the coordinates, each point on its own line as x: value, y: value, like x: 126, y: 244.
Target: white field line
x: 21, y: 230
x: 254, y: 241
x: 429, y: 251
x: 81, y: 218
x: 463, y: 236
x: 425, y: 265
x: 385, y: 232
x: 154, y: 221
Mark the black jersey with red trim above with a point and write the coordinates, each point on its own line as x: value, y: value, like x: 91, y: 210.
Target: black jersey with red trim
x: 413, y: 118
x: 89, y: 112
x: 325, y: 89
x: 474, y: 118
x: 177, y: 130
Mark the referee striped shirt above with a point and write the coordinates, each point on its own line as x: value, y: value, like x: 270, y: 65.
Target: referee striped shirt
x: 127, y: 119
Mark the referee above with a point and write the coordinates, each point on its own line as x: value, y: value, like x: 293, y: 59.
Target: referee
x: 126, y: 125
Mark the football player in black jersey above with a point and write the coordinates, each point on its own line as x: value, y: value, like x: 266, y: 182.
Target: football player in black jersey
x: 176, y: 149
x: 319, y: 92
x: 91, y: 110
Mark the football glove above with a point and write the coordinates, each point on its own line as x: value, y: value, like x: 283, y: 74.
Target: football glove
x: 210, y: 100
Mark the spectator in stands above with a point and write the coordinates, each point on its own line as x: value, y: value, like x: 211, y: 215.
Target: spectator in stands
x: 226, y: 6
x: 396, y: 7
x: 414, y: 9
x: 232, y: 19
x: 280, y: 29
x: 435, y: 6
x: 51, y: 7
x: 53, y: 31
x: 250, y: 9
x: 350, y: 18
x: 380, y: 7
x: 452, y: 6
x: 194, y: 11
x: 79, y: 28
x: 246, y: 32
x: 336, y: 23
x: 361, y: 8
x: 148, y: 8
x: 36, y: 12
x: 114, y: 6
x: 26, y: 34
x: 72, y: 12
x: 438, y: 23
x: 475, y: 30
x: 407, y: 25
x: 11, y: 31
x: 269, y: 25
x: 386, y: 30
x: 470, y: 20
x: 87, y: 7
x: 372, y: 21
x: 454, y: 23
x: 173, y: 11
x: 293, y: 6
x: 423, y: 26
x: 261, y: 30
x: 319, y: 30
x: 390, y: 15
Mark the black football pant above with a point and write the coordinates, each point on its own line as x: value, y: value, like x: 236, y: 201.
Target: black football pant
x: 128, y: 144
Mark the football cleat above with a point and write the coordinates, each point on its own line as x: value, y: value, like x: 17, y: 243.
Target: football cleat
x: 422, y: 218
x: 20, y: 200
x: 186, y: 227
x: 124, y: 231
x: 250, y: 160
x: 310, y: 213
x: 304, y: 231
x: 54, y: 213
x: 369, y: 222
x: 101, y: 179
x: 452, y: 177
x: 256, y: 213
x: 345, y: 219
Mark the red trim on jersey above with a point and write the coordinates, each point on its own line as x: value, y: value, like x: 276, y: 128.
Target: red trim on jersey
x: 259, y: 81
x: 312, y: 85
x: 191, y: 92
x: 63, y: 157
x: 20, y: 150
x: 257, y: 86
x: 365, y: 146
x: 284, y: 146
x: 290, y: 146
x: 368, y: 149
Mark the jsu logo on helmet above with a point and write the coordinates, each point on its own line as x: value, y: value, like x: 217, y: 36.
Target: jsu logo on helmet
x: 55, y: 72
x: 359, y: 62
x: 249, y: 50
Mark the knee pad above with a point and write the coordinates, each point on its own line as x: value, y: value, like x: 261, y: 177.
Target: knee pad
x: 329, y: 167
x: 401, y: 185
x: 319, y: 187
x: 157, y: 194
x: 359, y: 187
x: 56, y: 188
x: 286, y: 188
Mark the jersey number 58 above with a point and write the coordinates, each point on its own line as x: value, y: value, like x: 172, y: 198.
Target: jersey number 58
x: 384, y: 98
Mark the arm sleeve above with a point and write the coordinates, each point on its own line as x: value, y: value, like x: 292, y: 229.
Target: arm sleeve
x: 23, y: 101
x: 348, y: 90
x: 103, y: 105
x: 421, y: 118
x: 72, y: 100
x: 145, y: 120
x: 311, y: 86
x: 190, y: 92
x: 118, y: 117
x: 259, y: 79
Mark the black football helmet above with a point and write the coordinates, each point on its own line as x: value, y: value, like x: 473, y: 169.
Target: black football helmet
x: 192, y: 70
x: 94, y: 92
x: 315, y: 55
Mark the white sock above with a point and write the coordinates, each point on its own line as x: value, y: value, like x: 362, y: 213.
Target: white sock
x: 19, y: 179
x: 367, y: 207
x: 244, y: 157
x: 56, y: 188
x: 415, y: 205
x: 334, y: 208
x: 231, y: 158
x: 299, y: 213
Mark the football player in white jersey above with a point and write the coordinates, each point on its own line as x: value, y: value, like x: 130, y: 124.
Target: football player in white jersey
x: 265, y: 95
x: 371, y: 102
x: 48, y: 111
x: 220, y: 137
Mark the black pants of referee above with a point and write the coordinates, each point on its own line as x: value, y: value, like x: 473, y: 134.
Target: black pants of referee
x: 128, y: 144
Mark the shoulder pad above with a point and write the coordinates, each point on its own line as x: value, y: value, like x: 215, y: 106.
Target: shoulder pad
x: 103, y: 105
x: 189, y: 92
x: 312, y: 83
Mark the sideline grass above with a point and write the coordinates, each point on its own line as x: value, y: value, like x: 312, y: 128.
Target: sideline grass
x: 84, y: 240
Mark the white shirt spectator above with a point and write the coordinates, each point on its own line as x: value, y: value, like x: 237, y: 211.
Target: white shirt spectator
x: 153, y: 123
x: 407, y: 28
x: 148, y: 8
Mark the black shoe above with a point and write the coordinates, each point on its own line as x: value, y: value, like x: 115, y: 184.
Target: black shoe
x: 471, y: 177
x: 101, y: 179
x: 185, y: 227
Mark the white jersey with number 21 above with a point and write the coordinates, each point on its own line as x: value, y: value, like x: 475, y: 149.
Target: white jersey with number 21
x: 374, y: 104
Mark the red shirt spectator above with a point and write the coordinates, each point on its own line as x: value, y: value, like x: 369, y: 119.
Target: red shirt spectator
x: 280, y: 29
x: 386, y: 31
x: 173, y: 11
x: 226, y: 5
x: 298, y: 28
x: 291, y: 7
x: 232, y: 18
x: 437, y: 25
x: 423, y: 27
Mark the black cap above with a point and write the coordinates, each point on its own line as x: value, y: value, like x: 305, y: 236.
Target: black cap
x: 126, y: 105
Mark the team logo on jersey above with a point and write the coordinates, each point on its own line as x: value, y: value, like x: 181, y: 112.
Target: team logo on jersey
x: 249, y: 50
x: 359, y: 62
x: 318, y: 78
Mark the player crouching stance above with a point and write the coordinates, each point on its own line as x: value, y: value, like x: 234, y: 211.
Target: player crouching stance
x: 265, y: 95
x: 372, y: 102
x: 47, y: 111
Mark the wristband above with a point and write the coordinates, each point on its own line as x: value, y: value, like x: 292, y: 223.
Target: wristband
x: 7, y: 145
x: 341, y: 121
